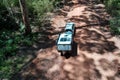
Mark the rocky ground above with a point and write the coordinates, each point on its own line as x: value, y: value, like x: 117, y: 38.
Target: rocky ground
x: 96, y: 53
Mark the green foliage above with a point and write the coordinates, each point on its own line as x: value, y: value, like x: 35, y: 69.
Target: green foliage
x: 6, y: 19
x: 113, y: 8
x: 10, y: 43
x: 12, y: 29
x: 10, y: 16
x: 58, y: 4
x: 7, y: 46
x: 42, y: 6
x: 115, y: 26
x: 11, y: 66
x: 39, y: 8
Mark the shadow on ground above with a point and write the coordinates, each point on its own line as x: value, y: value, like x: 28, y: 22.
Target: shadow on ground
x: 90, y: 65
x: 94, y: 42
x: 73, y: 53
x: 35, y: 73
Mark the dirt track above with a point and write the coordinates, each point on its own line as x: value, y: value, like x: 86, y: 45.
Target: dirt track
x: 96, y: 51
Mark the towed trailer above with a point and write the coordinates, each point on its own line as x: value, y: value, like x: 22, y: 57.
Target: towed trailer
x: 65, y: 40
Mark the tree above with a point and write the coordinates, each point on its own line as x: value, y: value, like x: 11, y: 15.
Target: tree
x: 25, y: 16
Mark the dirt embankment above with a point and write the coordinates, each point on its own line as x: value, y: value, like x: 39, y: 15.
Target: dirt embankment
x: 96, y: 51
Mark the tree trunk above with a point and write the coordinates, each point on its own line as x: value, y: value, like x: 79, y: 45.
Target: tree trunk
x: 25, y: 16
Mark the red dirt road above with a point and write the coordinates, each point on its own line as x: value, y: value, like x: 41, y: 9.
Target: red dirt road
x: 96, y: 51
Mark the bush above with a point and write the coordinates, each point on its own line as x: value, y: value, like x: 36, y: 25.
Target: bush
x: 11, y: 33
x: 113, y: 8
x: 115, y: 25
x: 6, y: 20
x: 10, y: 43
x: 39, y: 8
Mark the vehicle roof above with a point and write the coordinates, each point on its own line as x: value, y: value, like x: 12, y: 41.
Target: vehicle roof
x: 65, y: 38
x: 69, y: 26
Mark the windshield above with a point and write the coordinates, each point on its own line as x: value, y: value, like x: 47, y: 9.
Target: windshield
x: 69, y: 32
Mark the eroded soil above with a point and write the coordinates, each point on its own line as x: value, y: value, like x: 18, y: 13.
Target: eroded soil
x: 96, y: 53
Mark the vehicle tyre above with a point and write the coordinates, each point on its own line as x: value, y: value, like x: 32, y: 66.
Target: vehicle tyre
x: 62, y: 54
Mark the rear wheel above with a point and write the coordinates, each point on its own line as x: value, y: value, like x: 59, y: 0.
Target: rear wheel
x: 62, y: 53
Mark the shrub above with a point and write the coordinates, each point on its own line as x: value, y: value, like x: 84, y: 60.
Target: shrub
x: 11, y: 38
x: 113, y: 8
x: 115, y: 25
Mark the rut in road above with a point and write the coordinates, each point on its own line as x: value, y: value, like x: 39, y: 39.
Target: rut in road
x: 96, y: 51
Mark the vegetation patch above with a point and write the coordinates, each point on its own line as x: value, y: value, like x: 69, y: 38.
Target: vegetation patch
x: 12, y: 32
x: 115, y: 25
x: 113, y: 8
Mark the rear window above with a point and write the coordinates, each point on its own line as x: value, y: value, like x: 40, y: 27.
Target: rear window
x: 65, y: 39
x: 69, y: 25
